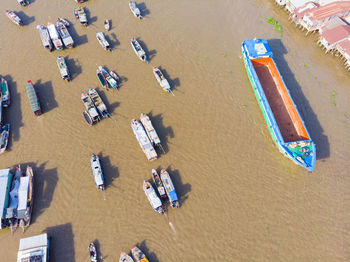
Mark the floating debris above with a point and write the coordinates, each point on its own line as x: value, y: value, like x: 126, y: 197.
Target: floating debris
x: 306, y: 65
x: 277, y: 26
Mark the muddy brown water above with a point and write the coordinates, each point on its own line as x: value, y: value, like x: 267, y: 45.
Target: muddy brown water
x: 241, y: 199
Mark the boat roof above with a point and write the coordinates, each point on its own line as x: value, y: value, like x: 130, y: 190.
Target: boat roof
x: 5, y: 180
x: 153, y: 198
x: 32, y: 242
x: 33, y: 249
x: 32, y: 96
x: 23, y: 192
x: 257, y: 48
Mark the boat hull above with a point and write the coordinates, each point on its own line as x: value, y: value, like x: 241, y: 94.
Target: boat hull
x: 306, y: 160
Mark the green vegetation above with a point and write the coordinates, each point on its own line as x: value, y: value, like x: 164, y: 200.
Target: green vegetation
x: 333, y: 98
x: 306, y: 65
x: 277, y: 26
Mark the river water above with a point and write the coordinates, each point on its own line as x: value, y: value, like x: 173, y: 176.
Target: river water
x: 241, y: 199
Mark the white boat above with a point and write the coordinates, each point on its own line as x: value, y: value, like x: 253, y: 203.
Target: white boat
x: 35, y: 248
x: 107, y: 25
x: 138, y: 50
x: 4, y: 137
x: 151, y: 132
x: 45, y: 37
x: 143, y: 140
x: 163, y: 82
x: 23, y: 2
x: 91, y: 115
x: 138, y: 255
x: 114, y: 75
x: 14, y: 17
x: 54, y: 36
x: 4, y: 93
x: 64, y: 21
x: 135, y: 10
x: 66, y: 37
x: 79, y: 12
x: 96, y: 99
x: 97, y: 172
x: 169, y: 188
x: 125, y: 258
x: 153, y: 198
x: 25, y: 198
x: 103, y: 42
x: 62, y: 67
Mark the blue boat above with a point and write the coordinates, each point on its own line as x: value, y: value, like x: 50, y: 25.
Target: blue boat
x: 169, y: 188
x: 281, y: 115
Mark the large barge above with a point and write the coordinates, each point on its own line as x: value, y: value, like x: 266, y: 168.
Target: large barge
x: 283, y: 120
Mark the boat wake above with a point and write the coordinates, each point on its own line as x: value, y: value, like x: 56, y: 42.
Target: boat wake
x: 172, y: 227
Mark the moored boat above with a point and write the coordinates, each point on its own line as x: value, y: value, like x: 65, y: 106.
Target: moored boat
x: 163, y: 82
x: 107, y: 25
x: 34, y: 249
x: 125, y: 258
x: 33, y: 98
x: 25, y: 198
x: 151, y: 132
x: 5, y: 93
x: 102, y: 79
x: 56, y: 40
x: 92, y: 252
x: 159, y: 184
x: 152, y: 197
x: 4, y: 137
x: 281, y: 115
x: 14, y: 17
x: 65, y: 36
x: 103, y: 42
x: 111, y: 81
x: 136, y: 12
x: 143, y: 140
x: 23, y: 2
x: 64, y: 21
x: 1, y: 116
x: 62, y: 67
x: 45, y: 37
x: 114, y: 75
x: 96, y: 99
x: 138, y: 255
x: 138, y: 50
x: 90, y: 114
x: 79, y: 12
x: 169, y: 188
x: 97, y: 172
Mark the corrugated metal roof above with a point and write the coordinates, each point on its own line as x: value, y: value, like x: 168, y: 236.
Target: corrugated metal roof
x: 329, y: 10
x: 304, y: 9
x: 4, y: 190
x: 23, y: 193
x: 33, y: 98
x: 336, y: 34
x: 33, y: 242
x: 345, y: 45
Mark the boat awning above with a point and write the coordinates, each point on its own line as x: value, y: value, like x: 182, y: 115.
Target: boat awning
x: 258, y: 48
x: 32, y: 242
x: 173, y: 196
x: 33, y: 98
x: 33, y: 249
x: 23, y: 196
x: 5, y: 185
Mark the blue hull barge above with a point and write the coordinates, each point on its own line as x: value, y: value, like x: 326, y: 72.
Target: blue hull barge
x: 169, y: 188
x: 281, y: 115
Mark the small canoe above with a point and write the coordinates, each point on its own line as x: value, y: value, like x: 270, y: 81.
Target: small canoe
x: 163, y: 82
x: 101, y: 78
x: 152, y: 197
x: 5, y: 93
x: 138, y: 255
x: 4, y: 137
x: 103, y: 41
x: 96, y: 99
x: 92, y: 252
x: 138, y: 50
x: 97, y: 172
x: 63, y: 21
x: 159, y: 184
x: 107, y: 25
x: 136, y: 12
x: 62, y: 67
x: 45, y: 37
x: 169, y: 188
x: 111, y: 81
x: 56, y: 40
x: 90, y: 114
x: 88, y: 118
x: 33, y: 98
x: 14, y: 17
x: 23, y: 2
x: 114, y: 75
x: 125, y: 258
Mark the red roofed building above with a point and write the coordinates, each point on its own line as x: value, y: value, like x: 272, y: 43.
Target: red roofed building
x: 330, y: 38
x: 343, y: 48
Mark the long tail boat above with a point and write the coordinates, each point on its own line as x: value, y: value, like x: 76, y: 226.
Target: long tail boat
x: 283, y: 120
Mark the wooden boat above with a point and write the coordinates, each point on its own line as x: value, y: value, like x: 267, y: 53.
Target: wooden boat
x: 138, y: 255
x: 45, y: 37
x: 64, y: 21
x: 108, y: 78
x: 4, y: 137
x: 79, y: 12
x: 14, y: 17
x: 138, y: 50
x: 107, y: 25
x: 101, y: 78
x: 56, y: 40
x: 163, y: 82
x: 80, y: 1
x: 96, y: 99
x: 143, y: 140
x: 92, y: 252
x: 114, y: 75
x: 1, y: 116
x: 283, y: 120
x: 125, y: 258
x: 90, y: 114
x: 65, y: 36
x: 25, y: 198
x: 33, y: 98
x: 62, y: 67
x: 103, y: 42
x: 5, y: 93
x: 151, y: 132
x: 23, y: 2
x: 136, y: 12
x: 97, y: 172
x: 158, y: 182
x: 169, y: 188
x: 153, y: 198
